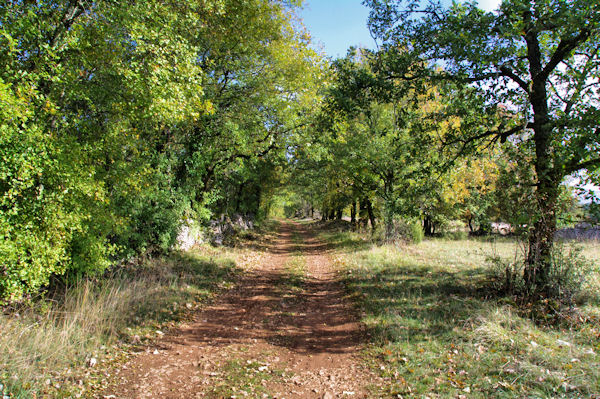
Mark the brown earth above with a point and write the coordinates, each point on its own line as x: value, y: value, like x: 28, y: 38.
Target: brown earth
x: 264, y: 338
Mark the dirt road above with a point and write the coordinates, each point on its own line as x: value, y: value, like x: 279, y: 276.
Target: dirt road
x: 284, y: 331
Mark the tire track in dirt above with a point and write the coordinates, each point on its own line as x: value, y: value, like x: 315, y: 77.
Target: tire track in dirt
x: 303, y: 338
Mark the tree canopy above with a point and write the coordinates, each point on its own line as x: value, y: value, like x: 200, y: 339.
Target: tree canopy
x: 534, y: 64
x: 122, y: 121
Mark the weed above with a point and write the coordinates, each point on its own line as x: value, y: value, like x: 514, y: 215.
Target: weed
x: 571, y: 277
x: 239, y: 378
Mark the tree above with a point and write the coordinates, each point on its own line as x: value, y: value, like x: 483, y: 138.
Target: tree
x: 118, y: 120
x: 372, y: 144
x: 539, y: 60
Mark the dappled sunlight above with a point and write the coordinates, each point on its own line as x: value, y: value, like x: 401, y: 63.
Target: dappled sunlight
x: 438, y: 329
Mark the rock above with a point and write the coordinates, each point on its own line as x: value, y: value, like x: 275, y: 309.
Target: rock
x: 327, y: 395
x: 189, y: 235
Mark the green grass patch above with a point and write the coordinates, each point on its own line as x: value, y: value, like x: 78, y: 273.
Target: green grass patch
x: 295, y: 267
x: 239, y: 378
x: 58, y: 346
x: 436, y: 330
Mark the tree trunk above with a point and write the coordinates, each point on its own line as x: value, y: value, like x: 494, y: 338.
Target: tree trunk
x: 238, y: 198
x: 541, y: 241
x: 541, y: 238
x: 389, y: 222
x: 428, y: 227
x: 353, y: 213
x: 339, y: 214
x: 370, y: 213
x: 363, y: 215
x: 389, y: 205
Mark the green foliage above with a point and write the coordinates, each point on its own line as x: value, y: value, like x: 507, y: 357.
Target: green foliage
x: 410, y: 230
x: 119, y: 121
x: 526, y: 73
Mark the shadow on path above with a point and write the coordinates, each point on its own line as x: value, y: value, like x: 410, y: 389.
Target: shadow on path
x: 310, y: 318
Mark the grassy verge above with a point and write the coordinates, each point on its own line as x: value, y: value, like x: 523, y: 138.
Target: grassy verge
x: 436, y: 332
x: 64, y: 345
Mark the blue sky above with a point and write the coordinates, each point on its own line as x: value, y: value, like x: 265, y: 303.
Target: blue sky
x: 338, y: 24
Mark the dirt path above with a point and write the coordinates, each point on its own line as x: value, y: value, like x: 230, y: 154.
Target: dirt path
x: 276, y: 334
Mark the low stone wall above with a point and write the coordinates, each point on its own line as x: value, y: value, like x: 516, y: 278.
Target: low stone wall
x: 228, y: 226
x: 578, y: 233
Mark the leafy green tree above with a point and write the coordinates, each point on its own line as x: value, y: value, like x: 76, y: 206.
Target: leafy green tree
x: 538, y: 59
x: 119, y: 120
x: 377, y: 148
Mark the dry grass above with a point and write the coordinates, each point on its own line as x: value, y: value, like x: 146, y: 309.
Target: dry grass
x: 48, y: 348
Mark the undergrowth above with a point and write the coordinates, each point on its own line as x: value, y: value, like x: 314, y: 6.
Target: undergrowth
x: 437, y: 331
x: 59, y: 346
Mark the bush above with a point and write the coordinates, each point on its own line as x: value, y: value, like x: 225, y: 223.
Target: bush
x: 416, y: 232
x: 568, y: 277
x: 455, y: 230
x: 407, y: 230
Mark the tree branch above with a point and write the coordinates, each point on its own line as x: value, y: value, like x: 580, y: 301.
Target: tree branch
x: 563, y: 50
x: 509, y: 73
x: 574, y: 167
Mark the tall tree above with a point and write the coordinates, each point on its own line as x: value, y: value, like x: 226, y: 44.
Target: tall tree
x: 537, y: 59
x: 120, y: 119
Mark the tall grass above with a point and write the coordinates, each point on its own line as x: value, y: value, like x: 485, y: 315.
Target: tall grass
x: 47, y: 347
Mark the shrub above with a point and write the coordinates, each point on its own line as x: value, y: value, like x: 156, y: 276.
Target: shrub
x: 407, y: 230
x: 568, y: 277
x: 455, y: 230
x: 416, y: 231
